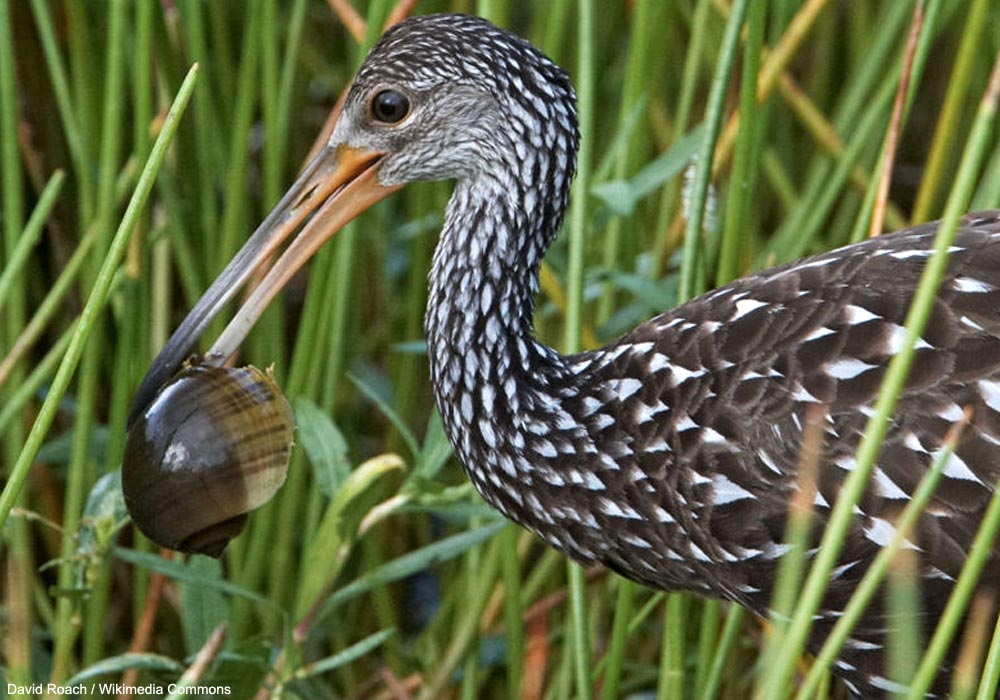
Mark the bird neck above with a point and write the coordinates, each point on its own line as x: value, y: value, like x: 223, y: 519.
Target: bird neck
x: 491, y: 377
x: 483, y: 282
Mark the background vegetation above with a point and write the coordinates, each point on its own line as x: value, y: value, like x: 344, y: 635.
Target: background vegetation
x: 377, y: 572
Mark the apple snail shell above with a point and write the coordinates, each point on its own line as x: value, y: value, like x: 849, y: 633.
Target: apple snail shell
x: 211, y: 447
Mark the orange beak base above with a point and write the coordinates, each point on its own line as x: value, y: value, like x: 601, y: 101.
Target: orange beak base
x: 335, y: 187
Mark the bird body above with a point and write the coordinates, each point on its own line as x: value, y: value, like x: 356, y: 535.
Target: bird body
x: 670, y: 455
x: 695, y: 419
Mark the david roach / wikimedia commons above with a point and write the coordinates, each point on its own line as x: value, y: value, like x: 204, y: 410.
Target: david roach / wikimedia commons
x: 102, y: 690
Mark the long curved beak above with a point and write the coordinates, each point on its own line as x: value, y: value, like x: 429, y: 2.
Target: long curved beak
x: 336, y: 185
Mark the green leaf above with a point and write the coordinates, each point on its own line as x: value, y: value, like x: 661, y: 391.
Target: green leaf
x: 351, y: 653
x: 57, y: 450
x: 184, y: 572
x: 411, y: 563
x: 410, y: 347
x: 332, y: 542
x: 103, y: 515
x: 203, y: 608
x: 324, y: 445
x: 115, y: 665
x: 621, y: 196
x: 397, y: 421
x: 435, y: 451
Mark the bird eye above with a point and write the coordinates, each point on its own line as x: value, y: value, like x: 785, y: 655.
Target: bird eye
x: 390, y: 106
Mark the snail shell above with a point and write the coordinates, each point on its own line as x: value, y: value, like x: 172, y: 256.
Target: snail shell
x: 213, y: 445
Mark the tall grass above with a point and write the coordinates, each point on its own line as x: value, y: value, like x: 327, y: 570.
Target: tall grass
x: 377, y: 572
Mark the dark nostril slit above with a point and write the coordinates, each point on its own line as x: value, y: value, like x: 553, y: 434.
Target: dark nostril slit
x: 306, y: 196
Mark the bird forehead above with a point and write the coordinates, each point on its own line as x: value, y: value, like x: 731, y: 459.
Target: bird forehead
x: 428, y: 50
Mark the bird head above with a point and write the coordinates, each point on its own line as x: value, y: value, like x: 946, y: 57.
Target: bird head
x: 439, y: 97
x: 445, y: 97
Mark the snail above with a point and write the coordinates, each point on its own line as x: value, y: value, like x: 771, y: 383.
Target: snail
x: 213, y: 445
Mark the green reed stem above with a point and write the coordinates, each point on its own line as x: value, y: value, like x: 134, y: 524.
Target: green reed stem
x: 727, y: 641
x: 624, y: 602
x: 96, y: 300
x: 949, y: 122
x: 27, y: 389
x: 81, y: 471
x: 10, y: 163
x: 51, y: 305
x: 31, y: 233
x: 585, y: 85
x: 17, y: 559
x: 467, y: 625
x: 738, y: 209
x: 234, y: 220
x: 510, y: 569
x: 637, y: 69
x: 691, y: 265
x: 990, y: 680
x: 671, y: 679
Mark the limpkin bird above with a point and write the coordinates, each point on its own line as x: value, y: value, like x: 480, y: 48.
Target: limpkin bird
x: 669, y: 455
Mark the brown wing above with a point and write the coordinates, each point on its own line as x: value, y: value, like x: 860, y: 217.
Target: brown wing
x: 736, y: 371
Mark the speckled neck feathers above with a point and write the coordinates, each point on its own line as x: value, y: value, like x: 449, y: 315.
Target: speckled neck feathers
x: 490, y: 374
